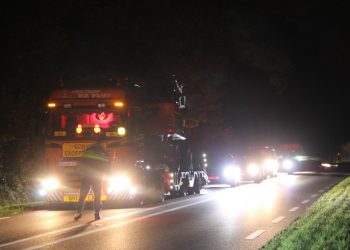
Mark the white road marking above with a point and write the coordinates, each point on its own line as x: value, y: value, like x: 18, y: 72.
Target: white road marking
x: 115, y: 225
x: 254, y: 235
x: 279, y: 219
x: 321, y: 191
x: 84, y: 225
x: 305, y: 201
x: 293, y: 209
x: 4, y: 218
x: 314, y: 195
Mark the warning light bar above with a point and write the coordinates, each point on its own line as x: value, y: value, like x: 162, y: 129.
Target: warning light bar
x: 79, y: 129
x: 119, y: 104
x: 51, y: 105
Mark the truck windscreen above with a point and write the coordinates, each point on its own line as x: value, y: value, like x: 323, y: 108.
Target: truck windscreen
x: 84, y: 124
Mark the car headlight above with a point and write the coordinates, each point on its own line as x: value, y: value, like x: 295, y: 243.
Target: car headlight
x: 253, y: 169
x: 118, y: 183
x: 270, y: 164
x: 288, y: 164
x: 326, y: 165
x: 232, y: 173
x: 50, y: 183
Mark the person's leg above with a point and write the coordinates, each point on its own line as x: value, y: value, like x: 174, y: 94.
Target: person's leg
x: 84, y: 190
x: 97, y: 188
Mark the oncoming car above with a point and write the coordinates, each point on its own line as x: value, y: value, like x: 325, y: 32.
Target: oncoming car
x: 258, y: 163
x: 290, y: 158
x: 224, y: 170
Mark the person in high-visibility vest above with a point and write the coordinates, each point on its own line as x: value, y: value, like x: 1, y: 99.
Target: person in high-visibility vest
x: 94, y: 164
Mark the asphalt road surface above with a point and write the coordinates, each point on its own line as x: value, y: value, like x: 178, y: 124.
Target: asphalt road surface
x: 244, y: 217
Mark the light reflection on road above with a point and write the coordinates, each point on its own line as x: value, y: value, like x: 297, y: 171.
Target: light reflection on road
x: 257, y: 199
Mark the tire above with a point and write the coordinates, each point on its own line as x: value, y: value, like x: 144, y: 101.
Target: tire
x: 184, y: 189
x: 197, y: 186
x: 155, y: 190
x: 154, y: 196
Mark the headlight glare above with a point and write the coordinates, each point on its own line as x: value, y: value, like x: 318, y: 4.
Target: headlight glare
x: 117, y: 183
x: 121, y: 131
x: 253, y: 169
x: 50, y: 184
x: 232, y: 173
x: 270, y: 164
x: 287, y: 164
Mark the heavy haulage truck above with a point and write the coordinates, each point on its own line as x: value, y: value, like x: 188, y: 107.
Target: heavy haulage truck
x: 150, y: 154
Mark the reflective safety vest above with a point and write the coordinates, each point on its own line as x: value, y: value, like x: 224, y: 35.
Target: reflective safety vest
x: 98, y: 155
x: 94, y: 162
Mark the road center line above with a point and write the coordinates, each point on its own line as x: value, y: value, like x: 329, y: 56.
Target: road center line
x: 254, y: 235
x: 278, y: 220
x: 115, y: 217
x: 305, y: 201
x: 314, y: 195
x: 116, y: 225
x: 321, y: 191
x: 293, y: 209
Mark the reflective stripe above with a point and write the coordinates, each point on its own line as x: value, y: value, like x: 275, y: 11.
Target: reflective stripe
x: 93, y: 155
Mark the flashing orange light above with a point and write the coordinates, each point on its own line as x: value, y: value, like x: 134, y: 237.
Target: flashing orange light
x: 51, y: 105
x: 79, y: 129
x: 119, y: 104
x: 97, y: 129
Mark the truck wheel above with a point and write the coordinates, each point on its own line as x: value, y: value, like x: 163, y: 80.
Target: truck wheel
x: 158, y: 192
x: 155, y: 195
x: 159, y: 195
x: 197, y: 186
x: 153, y: 189
x: 184, y: 190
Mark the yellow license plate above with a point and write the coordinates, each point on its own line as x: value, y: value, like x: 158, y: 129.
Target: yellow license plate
x: 75, y: 198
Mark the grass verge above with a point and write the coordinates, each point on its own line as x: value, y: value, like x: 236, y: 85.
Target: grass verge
x: 324, y: 225
x: 19, y: 208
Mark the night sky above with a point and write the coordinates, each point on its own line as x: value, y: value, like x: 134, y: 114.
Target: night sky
x: 269, y: 71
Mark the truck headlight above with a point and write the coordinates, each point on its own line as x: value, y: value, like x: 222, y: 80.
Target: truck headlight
x: 121, y: 131
x: 50, y: 183
x: 118, y: 183
x: 253, y: 169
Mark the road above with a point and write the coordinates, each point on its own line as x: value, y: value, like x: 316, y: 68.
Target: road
x: 244, y: 217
